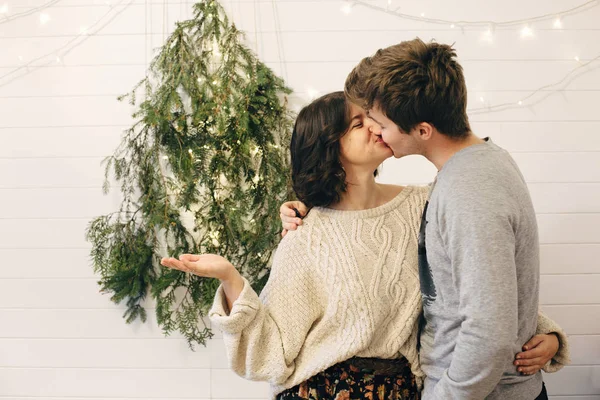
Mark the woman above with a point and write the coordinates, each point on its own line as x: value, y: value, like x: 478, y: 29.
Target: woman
x: 338, y: 317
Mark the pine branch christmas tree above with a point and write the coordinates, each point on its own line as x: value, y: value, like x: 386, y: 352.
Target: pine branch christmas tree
x: 203, y: 170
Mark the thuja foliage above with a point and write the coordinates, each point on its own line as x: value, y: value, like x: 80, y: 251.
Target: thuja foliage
x: 203, y: 169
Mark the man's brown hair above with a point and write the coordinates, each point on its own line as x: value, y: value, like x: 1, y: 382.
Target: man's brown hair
x: 413, y: 82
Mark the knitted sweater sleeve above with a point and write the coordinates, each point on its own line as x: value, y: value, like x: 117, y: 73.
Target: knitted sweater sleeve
x: 264, y: 335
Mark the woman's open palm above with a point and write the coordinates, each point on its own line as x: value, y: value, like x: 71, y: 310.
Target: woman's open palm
x: 205, y: 265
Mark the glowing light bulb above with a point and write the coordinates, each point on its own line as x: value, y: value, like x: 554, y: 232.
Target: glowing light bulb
x: 44, y: 18
x: 557, y: 23
x: 4, y: 9
x: 526, y: 32
x: 347, y: 8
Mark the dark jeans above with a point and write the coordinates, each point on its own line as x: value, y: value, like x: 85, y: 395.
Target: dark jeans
x: 543, y: 395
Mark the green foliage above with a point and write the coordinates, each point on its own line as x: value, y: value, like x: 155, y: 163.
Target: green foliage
x: 203, y: 170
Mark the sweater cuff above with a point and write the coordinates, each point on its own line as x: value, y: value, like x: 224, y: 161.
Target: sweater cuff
x: 242, y: 313
x: 562, y: 357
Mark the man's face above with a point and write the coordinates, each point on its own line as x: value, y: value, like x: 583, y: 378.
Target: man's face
x: 401, y: 143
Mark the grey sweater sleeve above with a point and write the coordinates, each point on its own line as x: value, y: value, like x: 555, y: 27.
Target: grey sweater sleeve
x: 476, y: 226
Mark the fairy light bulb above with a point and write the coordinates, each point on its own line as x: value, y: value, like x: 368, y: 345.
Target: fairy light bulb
x: 557, y: 23
x: 44, y: 18
x: 347, y: 8
x: 488, y: 36
x: 526, y: 32
x: 4, y: 9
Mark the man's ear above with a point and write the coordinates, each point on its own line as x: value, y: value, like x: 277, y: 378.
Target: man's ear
x: 424, y: 130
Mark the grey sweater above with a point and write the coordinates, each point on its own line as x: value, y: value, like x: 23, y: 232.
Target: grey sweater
x: 479, y: 270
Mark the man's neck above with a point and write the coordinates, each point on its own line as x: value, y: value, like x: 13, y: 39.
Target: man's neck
x: 444, y: 148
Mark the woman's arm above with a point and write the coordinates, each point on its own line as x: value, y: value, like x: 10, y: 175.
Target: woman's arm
x: 264, y: 336
x: 547, y: 350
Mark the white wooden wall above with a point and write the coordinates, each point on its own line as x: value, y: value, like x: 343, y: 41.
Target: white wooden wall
x: 61, y: 339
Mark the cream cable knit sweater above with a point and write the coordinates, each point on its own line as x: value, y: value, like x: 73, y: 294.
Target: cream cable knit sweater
x: 345, y: 284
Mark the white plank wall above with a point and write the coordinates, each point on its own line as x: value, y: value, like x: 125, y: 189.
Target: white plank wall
x: 61, y: 339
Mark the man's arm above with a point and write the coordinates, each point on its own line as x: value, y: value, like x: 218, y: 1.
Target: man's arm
x: 478, y: 233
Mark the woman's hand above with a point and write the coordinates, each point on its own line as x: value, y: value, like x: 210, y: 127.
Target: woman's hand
x: 206, y: 265
x: 289, y: 219
x: 537, y: 352
x: 210, y: 266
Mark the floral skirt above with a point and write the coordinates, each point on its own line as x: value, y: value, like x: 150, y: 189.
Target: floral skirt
x: 359, y: 378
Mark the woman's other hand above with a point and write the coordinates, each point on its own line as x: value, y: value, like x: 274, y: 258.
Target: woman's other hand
x: 537, y: 352
x: 289, y: 218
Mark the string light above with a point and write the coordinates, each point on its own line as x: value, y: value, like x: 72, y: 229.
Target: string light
x: 526, y: 32
x: 347, y: 8
x: 44, y: 18
x: 67, y: 47
x: 487, y: 36
x: 31, y: 11
x: 83, y: 30
x: 312, y: 93
x: 557, y: 23
x: 506, y: 106
x: 478, y: 23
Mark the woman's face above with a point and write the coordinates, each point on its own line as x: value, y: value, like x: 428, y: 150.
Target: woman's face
x: 362, y: 145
